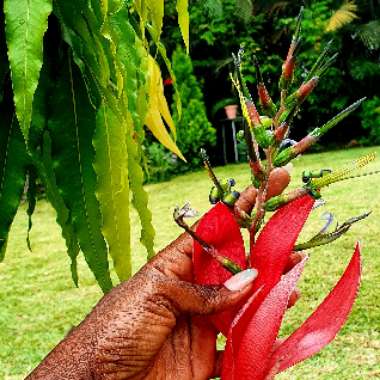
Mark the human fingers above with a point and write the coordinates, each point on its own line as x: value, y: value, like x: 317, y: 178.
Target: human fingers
x: 197, y: 299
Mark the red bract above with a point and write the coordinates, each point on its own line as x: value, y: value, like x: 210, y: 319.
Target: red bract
x: 252, y: 351
x: 219, y: 229
x: 323, y: 325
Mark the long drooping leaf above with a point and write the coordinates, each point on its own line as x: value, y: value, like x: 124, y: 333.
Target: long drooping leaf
x: 113, y: 187
x: 13, y: 161
x: 71, y: 126
x: 140, y: 197
x: 157, y: 108
x: 129, y: 53
x: 184, y: 21
x: 323, y: 325
x: 132, y: 55
x: 47, y: 175
x: 26, y: 23
x: 40, y: 152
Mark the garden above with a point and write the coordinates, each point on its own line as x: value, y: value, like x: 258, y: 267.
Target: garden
x: 114, y: 115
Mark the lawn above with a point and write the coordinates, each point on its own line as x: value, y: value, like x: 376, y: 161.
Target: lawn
x: 39, y: 304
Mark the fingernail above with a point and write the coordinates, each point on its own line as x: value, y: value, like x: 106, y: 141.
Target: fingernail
x: 240, y: 280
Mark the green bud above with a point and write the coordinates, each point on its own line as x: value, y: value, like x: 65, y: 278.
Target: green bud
x: 284, y: 157
x: 230, y: 198
x: 215, y: 195
x: 266, y: 121
x: 263, y: 137
x: 275, y: 202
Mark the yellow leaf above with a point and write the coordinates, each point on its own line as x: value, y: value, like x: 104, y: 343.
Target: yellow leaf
x: 184, y: 21
x: 158, y: 109
x: 344, y: 15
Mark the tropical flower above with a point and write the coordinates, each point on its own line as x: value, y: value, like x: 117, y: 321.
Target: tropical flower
x: 253, y: 350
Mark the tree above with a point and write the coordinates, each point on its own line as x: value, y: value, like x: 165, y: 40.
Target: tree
x: 78, y: 82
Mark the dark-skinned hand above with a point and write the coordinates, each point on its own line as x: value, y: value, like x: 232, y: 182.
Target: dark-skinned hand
x: 152, y: 326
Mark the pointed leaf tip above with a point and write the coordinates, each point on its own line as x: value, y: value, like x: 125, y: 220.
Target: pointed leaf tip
x: 323, y: 325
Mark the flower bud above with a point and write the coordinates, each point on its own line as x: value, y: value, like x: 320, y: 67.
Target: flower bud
x: 279, y: 179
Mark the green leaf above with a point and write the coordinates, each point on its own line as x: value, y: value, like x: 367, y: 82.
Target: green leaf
x: 47, y: 175
x: 156, y: 10
x: 133, y: 56
x: 113, y: 188
x: 40, y: 151
x: 71, y: 126
x: 12, y: 172
x: 26, y: 23
x: 184, y: 21
x: 140, y: 196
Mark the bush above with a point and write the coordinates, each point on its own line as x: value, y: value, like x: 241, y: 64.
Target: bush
x: 194, y: 131
x: 371, y: 121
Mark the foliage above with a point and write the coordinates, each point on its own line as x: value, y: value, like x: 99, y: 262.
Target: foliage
x: 83, y: 82
x: 342, y: 16
x: 194, y: 131
x: 371, y: 121
x: 266, y: 34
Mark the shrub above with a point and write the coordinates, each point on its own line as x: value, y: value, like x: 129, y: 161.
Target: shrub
x: 371, y: 121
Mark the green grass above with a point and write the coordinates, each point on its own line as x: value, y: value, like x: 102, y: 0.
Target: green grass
x: 39, y: 304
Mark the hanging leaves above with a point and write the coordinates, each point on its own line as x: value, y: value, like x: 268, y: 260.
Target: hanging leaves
x: 26, y: 23
x: 111, y: 83
x: 72, y: 128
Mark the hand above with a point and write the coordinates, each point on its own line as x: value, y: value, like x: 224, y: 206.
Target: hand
x: 151, y: 327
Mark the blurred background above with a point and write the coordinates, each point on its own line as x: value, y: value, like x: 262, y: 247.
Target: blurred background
x: 264, y: 29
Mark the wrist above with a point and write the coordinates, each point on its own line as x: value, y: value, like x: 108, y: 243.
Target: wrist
x: 71, y: 359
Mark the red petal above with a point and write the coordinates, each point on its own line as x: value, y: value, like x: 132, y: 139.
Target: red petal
x: 234, y: 335
x: 218, y: 228
x: 271, y: 252
x: 254, y: 333
x: 323, y: 325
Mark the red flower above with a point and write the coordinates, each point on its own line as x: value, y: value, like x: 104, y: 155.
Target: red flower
x: 252, y: 351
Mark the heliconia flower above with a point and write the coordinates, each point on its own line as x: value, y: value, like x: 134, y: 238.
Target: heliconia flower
x: 252, y: 349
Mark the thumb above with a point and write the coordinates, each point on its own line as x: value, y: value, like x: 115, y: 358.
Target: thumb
x: 209, y: 299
